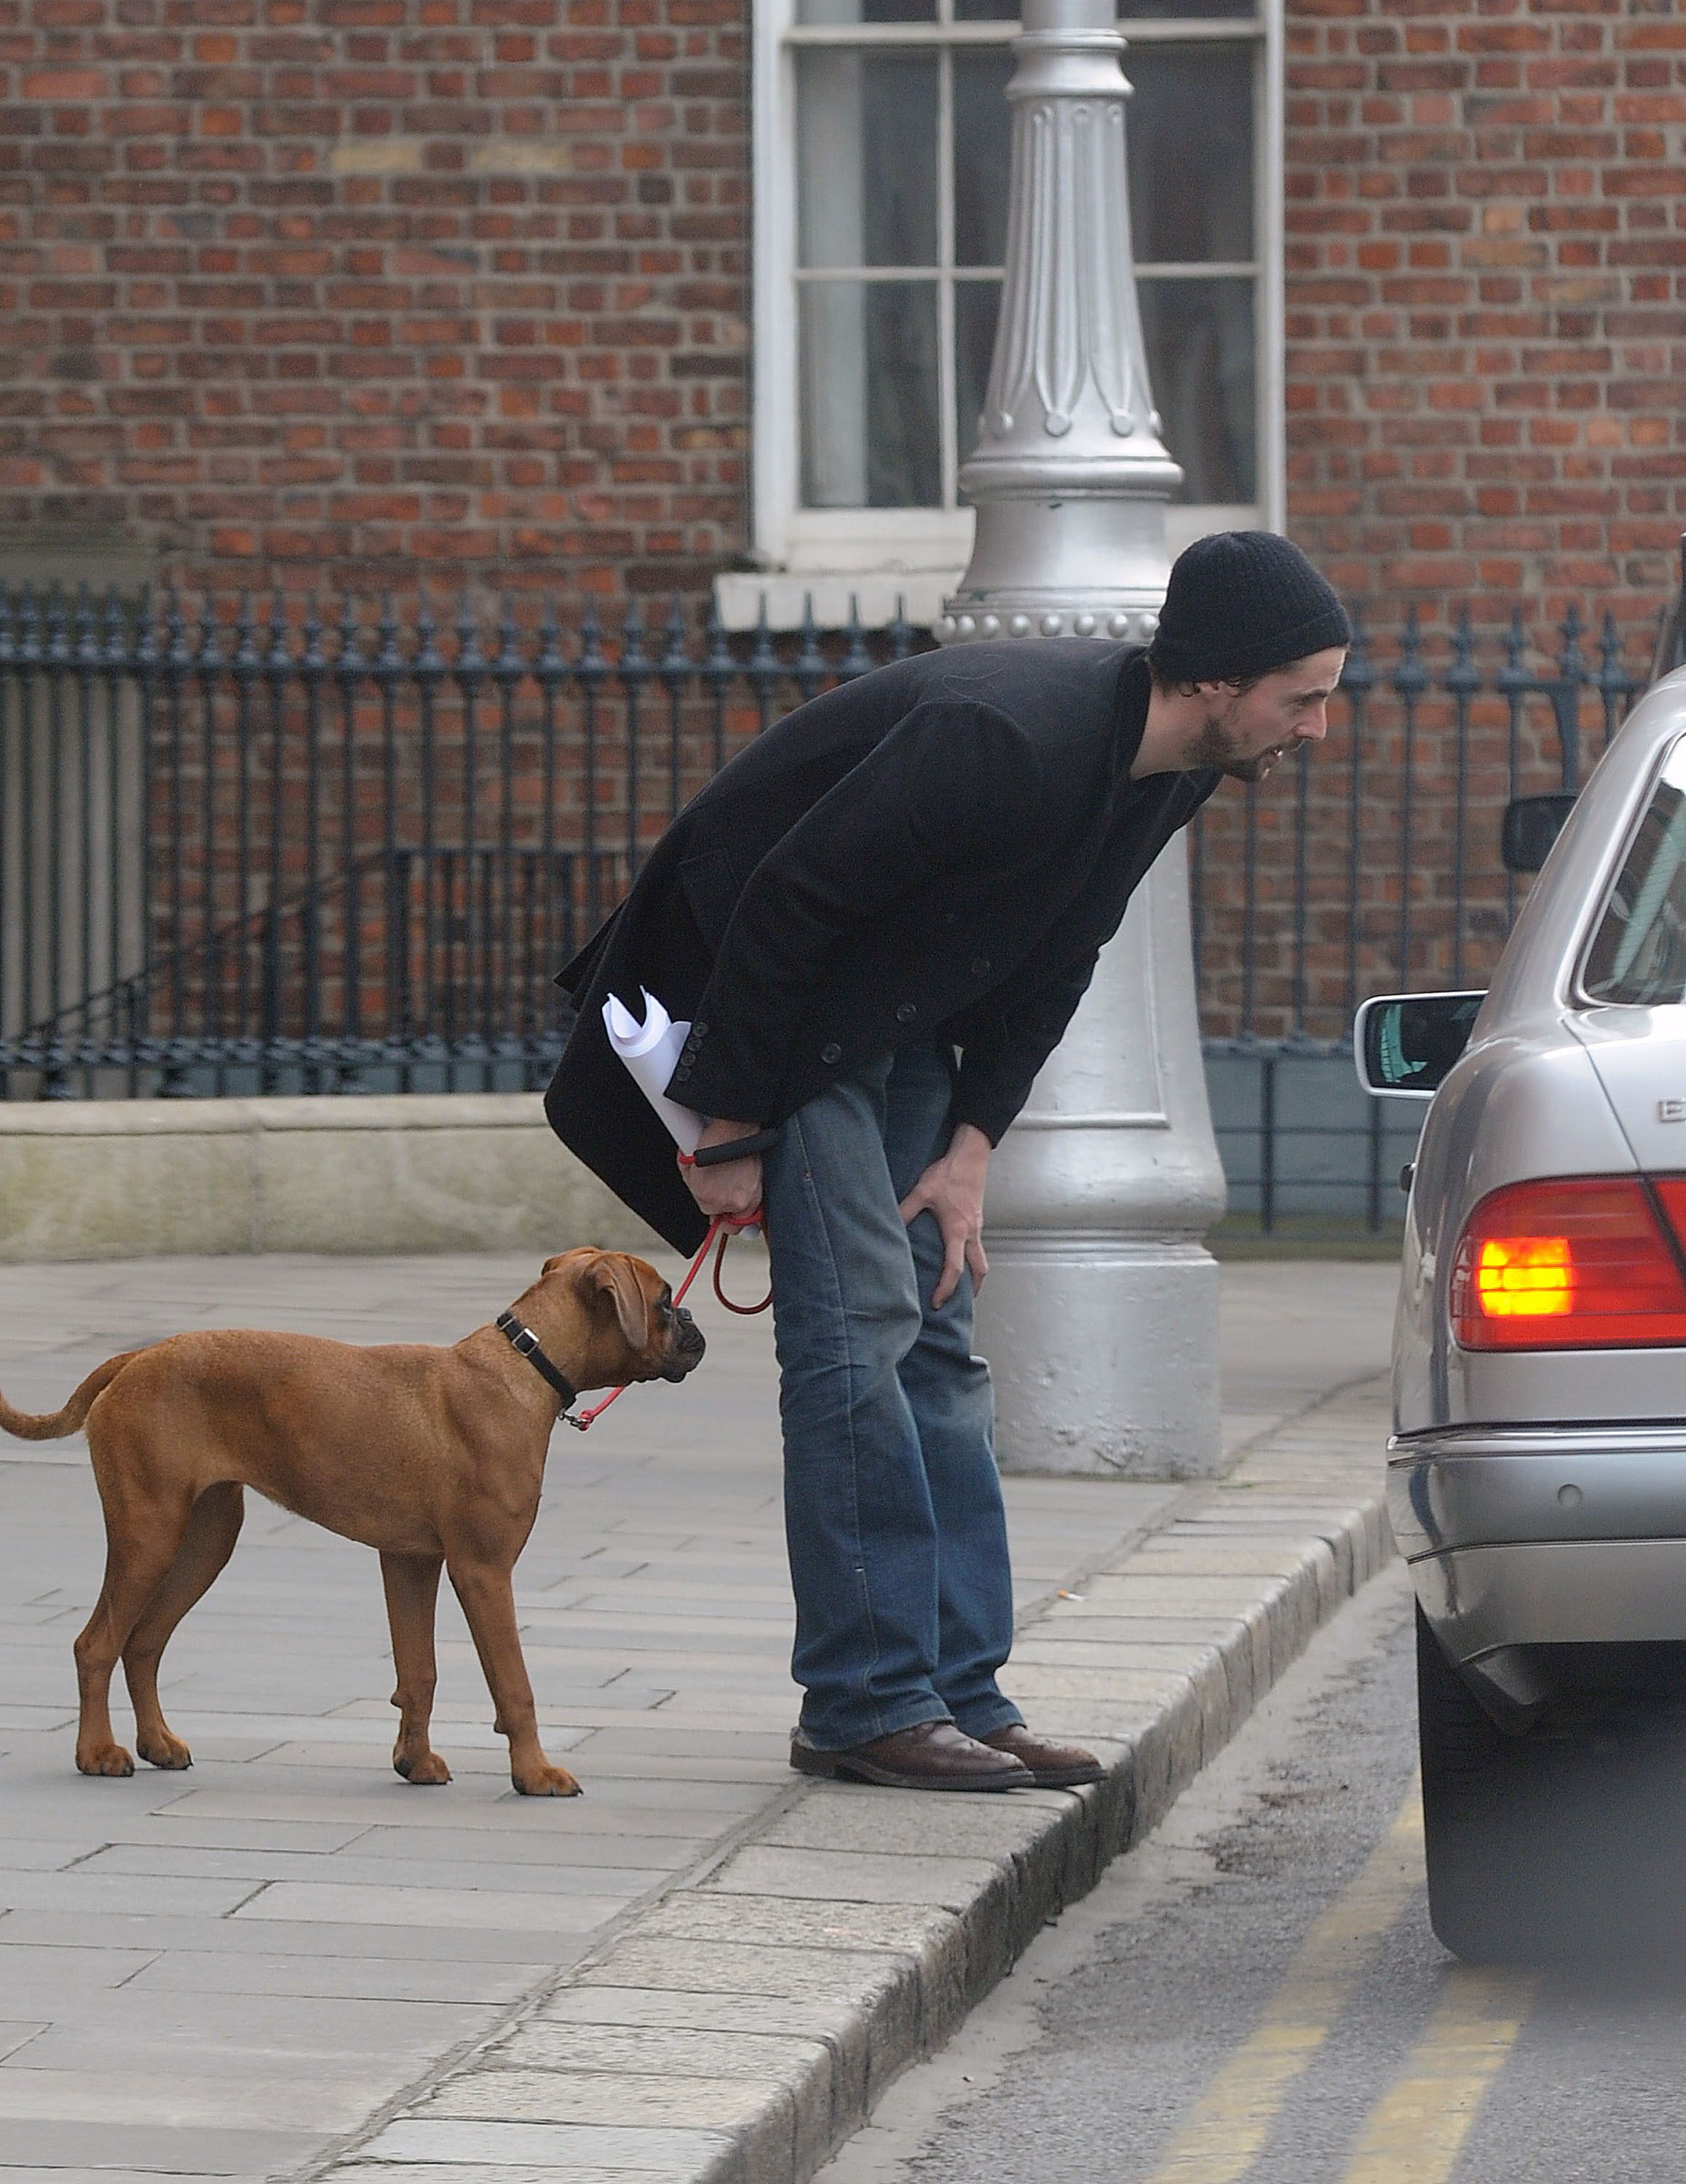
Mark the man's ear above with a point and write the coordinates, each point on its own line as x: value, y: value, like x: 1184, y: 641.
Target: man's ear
x: 612, y: 1271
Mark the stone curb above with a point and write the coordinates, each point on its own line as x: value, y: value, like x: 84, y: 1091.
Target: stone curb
x: 738, y: 2028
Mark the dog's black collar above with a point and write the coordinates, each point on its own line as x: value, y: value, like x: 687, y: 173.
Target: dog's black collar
x: 523, y: 1339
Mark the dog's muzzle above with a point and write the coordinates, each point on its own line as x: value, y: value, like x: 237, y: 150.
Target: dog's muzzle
x: 688, y: 1346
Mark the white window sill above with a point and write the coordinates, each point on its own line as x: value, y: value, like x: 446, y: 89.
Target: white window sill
x: 835, y: 595
x: 847, y: 587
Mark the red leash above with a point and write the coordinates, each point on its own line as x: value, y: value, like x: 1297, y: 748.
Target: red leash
x: 724, y: 1227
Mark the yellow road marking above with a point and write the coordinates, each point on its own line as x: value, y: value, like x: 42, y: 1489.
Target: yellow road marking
x: 1228, y: 2126
x: 1416, y: 2128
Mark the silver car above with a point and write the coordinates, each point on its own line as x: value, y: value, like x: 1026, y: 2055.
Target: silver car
x: 1537, y: 1475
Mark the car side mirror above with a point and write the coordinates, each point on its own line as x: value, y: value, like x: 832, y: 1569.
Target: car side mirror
x: 1532, y: 824
x: 1405, y: 1045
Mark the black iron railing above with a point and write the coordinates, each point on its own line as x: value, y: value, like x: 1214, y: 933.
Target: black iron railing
x: 270, y: 854
x: 339, y: 854
x: 1380, y: 864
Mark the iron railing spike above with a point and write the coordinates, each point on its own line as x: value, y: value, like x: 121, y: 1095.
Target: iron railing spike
x: 809, y: 670
x: 1358, y: 676
x: 146, y: 633
x: 1410, y: 677
x: 1463, y: 675
x: 718, y: 668
x: 509, y: 666
x: 349, y: 659
x: 211, y: 656
x: 58, y: 626
x: 764, y: 669
x: 676, y: 667
x: 634, y: 660
x: 856, y: 659
x: 427, y: 663
x: 116, y: 627
x: 87, y: 641
x: 278, y: 656
x: 551, y: 664
x: 28, y: 628
x: 388, y: 665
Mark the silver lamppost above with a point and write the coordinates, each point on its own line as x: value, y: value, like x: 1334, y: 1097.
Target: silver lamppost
x: 1100, y: 1311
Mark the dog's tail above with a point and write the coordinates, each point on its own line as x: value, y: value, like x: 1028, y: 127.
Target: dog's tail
x: 54, y: 1425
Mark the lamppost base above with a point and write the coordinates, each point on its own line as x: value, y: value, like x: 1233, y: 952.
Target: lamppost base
x: 1128, y: 1391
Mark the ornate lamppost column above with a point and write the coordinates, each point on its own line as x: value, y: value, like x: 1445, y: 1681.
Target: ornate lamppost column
x: 1100, y: 1311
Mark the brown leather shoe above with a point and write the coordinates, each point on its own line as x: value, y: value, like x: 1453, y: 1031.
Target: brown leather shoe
x: 932, y: 1755
x: 1051, y: 1766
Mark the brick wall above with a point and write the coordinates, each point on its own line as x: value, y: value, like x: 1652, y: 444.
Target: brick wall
x: 1486, y: 255
x: 360, y: 283
x: 333, y: 287
x: 1486, y: 374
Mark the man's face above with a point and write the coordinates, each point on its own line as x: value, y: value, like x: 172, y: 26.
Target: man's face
x: 1245, y: 732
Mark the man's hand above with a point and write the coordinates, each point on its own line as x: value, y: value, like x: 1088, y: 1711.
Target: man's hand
x: 952, y: 1188
x: 734, y: 1187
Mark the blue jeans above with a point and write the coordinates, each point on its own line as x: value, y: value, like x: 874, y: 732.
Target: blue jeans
x: 892, y: 1505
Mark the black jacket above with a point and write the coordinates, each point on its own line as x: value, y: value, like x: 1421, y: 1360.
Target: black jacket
x: 939, y: 849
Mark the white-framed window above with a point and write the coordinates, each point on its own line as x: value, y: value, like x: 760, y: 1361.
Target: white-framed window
x: 882, y: 135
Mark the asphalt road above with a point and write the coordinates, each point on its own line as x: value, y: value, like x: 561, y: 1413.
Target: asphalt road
x: 1255, y: 1996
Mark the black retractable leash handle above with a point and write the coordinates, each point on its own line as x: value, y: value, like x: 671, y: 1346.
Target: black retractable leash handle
x: 731, y: 1149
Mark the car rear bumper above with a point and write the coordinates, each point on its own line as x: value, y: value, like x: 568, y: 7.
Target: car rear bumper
x: 1526, y: 1538
x: 1579, y: 1592
x: 1492, y: 1486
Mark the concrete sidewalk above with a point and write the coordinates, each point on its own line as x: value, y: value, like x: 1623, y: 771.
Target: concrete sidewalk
x: 288, y: 1960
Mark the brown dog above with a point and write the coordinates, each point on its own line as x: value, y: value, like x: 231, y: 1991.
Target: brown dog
x: 434, y: 1457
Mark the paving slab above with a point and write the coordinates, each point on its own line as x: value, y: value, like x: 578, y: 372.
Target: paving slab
x: 288, y: 1964
x: 112, y: 2149
x: 490, y: 2172
x: 475, y: 1985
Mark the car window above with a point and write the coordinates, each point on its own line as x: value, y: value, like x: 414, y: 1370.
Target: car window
x: 1638, y: 956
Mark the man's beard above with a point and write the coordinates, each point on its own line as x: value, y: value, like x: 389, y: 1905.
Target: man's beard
x: 1212, y: 748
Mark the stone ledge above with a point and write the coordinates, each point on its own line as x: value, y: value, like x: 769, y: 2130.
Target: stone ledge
x: 751, y: 2018
x: 194, y: 1118
x: 397, y: 1172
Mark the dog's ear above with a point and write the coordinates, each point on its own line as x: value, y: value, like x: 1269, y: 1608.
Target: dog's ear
x: 551, y: 1265
x: 612, y: 1271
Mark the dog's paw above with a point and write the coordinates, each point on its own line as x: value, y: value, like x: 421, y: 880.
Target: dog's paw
x: 427, y: 1771
x: 107, y: 1760
x: 167, y: 1751
x: 547, y: 1782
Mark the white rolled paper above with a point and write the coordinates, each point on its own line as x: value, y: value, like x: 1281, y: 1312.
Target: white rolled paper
x: 650, y: 1050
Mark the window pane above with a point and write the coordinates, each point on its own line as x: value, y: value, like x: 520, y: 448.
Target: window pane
x: 1190, y: 134
x: 1639, y: 954
x: 870, y: 433
x: 866, y: 138
x: 984, y: 137
x: 977, y: 305
x: 1200, y: 340
x: 866, y: 11
x: 986, y: 11
x: 1160, y: 10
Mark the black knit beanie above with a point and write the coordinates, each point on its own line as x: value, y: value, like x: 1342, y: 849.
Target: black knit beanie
x: 1241, y: 603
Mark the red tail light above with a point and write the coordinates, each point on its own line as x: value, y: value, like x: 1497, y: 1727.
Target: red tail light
x: 1574, y: 1263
